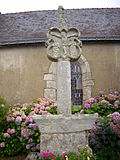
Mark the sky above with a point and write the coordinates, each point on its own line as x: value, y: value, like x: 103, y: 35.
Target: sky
x: 12, y: 6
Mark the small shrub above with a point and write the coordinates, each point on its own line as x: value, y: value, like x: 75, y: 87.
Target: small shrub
x: 104, y: 141
x: 4, y: 107
x: 102, y: 104
x: 19, y: 133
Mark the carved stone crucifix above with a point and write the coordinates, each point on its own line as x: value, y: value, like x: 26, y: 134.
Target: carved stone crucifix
x: 63, y: 45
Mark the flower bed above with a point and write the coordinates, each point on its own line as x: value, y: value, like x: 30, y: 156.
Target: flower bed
x: 83, y: 154
x: 104, y: 138
x: 102, y: 104
x: 18, y: 131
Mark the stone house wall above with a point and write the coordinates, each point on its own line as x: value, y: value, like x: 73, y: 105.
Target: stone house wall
x: 26, y: 72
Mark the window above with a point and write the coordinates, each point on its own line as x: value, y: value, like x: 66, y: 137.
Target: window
x: 76, y: 84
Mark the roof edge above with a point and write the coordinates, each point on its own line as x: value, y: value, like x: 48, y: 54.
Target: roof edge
x: 41, y: 41
x: 29, y: 11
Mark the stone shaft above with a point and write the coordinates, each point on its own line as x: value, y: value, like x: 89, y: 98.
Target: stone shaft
x: 64, y: 88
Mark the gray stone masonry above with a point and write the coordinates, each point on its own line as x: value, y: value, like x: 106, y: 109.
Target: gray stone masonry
x: 64, y: 88
x: 64, y: 124
x: 61, y: 133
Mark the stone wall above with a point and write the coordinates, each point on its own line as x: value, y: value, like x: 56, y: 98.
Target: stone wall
x: 21, y: 73
x: 23, y: 69
x: 104, y: 61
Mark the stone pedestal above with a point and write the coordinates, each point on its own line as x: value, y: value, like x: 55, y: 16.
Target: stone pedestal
x: 63, y: 134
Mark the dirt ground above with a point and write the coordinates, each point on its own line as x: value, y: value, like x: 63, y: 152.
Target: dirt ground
x: 19, y: 157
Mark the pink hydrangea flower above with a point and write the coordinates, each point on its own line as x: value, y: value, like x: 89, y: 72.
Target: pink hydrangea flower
x: 8, y: 130
x: 28, y: 146
x: 12, y: 119
x: 27, y: 119
x: 2, y: 145
x: 42, y: 108
x: 16, y: 113
x: 36, y: 110
x: 116, y: 104
x: 91, y: 100
x: 6, y: 135
x: 115, y: 117
x: 12, y: 131
x: 40, y: 112
x: 55, y: 104
x: 30, y: 119
x: 8, y: 119
x: 111, y: 97
x: 86, y: 105
x: 23, y: 116
x: 18, y: 119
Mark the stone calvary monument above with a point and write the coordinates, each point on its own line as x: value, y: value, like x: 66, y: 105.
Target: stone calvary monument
x: 63, y: 132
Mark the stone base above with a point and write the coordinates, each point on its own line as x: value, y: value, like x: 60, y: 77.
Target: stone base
x: 60, y: 143
x: 63, y: 134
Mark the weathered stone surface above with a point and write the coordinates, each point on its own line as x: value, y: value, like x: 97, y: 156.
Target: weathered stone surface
x: 63, y: 43
x: 49, y: 77
x: 87, y: 92
x: 51, y: 84
x: 50, y: 93
x: 53, y: 68
x: 82, y: 59
x: 86, y: 76
x: 64, y: 88
x: 85, y: 67
x: 60, y: 133
x: 88, y: 83
x: 60, y: 143
x: 62, y: 124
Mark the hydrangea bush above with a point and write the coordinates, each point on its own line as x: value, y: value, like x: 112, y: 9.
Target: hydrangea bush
x: 104, y: 138
x: 20, y: 133
x: 102, y: 104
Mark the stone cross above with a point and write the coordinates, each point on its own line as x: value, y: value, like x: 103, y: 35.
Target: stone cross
x: 63, y: 132
x: 63, y: 46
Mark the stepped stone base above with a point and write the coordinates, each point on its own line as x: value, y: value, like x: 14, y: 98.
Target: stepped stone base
x: 63, y: 134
